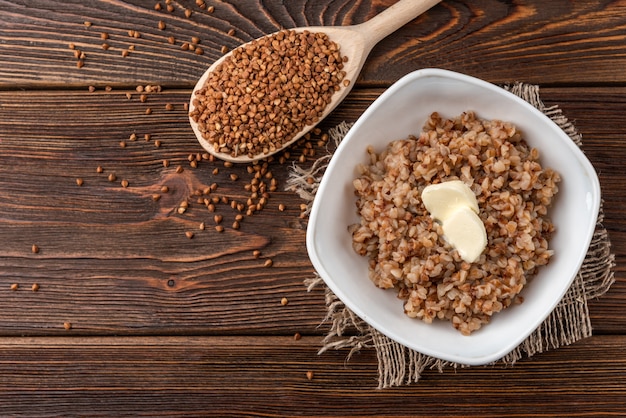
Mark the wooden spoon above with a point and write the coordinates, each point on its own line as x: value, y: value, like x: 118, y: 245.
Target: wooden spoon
x: 355, y: 41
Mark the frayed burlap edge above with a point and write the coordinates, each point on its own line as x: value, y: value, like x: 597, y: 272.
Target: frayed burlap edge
x: 399, y: 365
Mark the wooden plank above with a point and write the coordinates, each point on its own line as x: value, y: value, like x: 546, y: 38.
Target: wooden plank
x: 498, y: 41
x: 114, y: 261
x: 267, y: 376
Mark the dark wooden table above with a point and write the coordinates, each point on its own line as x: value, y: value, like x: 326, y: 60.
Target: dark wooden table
x: 132, y: 317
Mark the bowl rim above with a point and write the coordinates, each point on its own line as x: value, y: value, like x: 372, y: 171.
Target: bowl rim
x: 594, y: 206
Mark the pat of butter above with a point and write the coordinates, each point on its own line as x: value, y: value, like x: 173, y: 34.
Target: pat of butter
x: 454, y: 205
x: 465, y: 231
x: 444, y: 198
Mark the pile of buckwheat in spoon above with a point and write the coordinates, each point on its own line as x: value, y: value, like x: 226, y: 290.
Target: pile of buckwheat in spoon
x: 267, y: 91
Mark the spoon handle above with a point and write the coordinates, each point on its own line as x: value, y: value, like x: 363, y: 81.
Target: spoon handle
x: 392, y: 19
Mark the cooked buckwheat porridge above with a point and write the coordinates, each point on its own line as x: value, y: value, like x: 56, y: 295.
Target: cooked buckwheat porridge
x: 406, y: 248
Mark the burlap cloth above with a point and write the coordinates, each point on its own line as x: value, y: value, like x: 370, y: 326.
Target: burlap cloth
x: 399, y: 365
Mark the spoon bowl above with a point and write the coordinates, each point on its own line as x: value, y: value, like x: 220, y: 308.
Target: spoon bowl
x: 355, y: 42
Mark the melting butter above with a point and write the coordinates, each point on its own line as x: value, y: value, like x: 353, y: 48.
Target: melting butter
x: 454, y: 205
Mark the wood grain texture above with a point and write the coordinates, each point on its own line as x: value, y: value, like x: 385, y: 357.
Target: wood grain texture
x: 267, y: 376
x: 112, y: 260
x: 500, y: 41
x: 165, y: 325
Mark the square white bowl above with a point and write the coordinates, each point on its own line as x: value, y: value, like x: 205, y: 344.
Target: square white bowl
x: 400, y: 111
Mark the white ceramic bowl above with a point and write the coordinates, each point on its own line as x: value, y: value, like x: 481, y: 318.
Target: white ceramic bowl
x: 400, y: 111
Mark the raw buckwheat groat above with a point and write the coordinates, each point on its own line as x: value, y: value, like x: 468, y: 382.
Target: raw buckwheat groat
x: 267, y: 91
